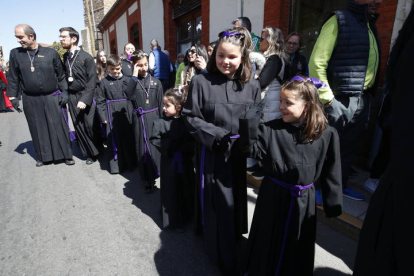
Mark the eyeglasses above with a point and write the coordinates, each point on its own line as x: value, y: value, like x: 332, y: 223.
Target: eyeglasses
x: 63, y: 36
x: 292, y: 44
x: 192, y: 51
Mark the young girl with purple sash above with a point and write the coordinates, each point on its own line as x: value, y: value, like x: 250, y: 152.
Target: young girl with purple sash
x: 296, y: 151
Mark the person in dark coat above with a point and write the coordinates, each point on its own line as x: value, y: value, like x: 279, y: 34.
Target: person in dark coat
x: 296, y: 151
x: 216, y: 100
x: 127, y: 65
x: 386, y: 238
x: 115, y: 112
x: 38, y: 71
x: 176, y: 146
x: 298, y: 64
x: 81, y: 76
x: 146, y: 93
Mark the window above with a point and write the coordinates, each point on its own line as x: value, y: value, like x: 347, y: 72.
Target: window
x: 113, y: 47
x: 188, y: 31
x: 308, y: 18
x: 134, y: 35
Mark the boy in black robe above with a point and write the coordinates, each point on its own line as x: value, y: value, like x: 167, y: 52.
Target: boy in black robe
x: 81, y: 76
x: 146, y: 93
x: 116, y: 113
x: 38, y: 71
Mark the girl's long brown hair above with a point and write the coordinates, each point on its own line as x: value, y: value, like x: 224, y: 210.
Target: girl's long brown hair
x: 315, y: 119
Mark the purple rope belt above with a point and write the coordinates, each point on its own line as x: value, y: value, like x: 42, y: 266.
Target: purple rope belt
x: 108, y: 109
x: 203, y: 155
x: 295, y: 192
x: 140, y: 111
x: 65, y: 116
x: 177, y: 163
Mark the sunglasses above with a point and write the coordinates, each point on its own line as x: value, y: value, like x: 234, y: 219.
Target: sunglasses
x: 192, y: 52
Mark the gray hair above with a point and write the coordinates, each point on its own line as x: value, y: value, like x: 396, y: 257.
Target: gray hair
x: 274, y: 37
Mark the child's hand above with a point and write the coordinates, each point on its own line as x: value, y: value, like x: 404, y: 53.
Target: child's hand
x: 104, y: 122
x: 200, y: 63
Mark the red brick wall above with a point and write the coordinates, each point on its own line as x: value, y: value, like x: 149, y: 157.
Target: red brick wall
x: 276, y: 14
x: 135, y: 17
x: 170, y: 30
x: 205, y: 17
x: 385, y: 25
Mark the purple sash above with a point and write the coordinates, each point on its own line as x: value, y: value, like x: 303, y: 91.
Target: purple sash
x: 65, y: 116
x: 203, y: 155
x: 140, y: 111
x: 295, y: 192
x: 108, y: 109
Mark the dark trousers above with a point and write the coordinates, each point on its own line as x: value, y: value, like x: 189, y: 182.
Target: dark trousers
x: 381, y: 160
x: 349, y: 116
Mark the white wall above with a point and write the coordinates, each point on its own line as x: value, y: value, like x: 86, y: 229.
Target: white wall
x: 106, y: 42
x: 152, y: 21
x: 222, y: 13
x: 121, y: 33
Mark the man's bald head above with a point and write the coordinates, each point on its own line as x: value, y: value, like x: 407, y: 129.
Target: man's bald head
x: 27, y: 30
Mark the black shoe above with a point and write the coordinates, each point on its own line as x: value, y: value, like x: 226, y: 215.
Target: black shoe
x: 39, y: 163
x: 89, y: 161
x: 149, y: 187
x: 69, y: 162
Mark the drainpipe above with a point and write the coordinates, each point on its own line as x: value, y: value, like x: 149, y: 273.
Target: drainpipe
x: 241, y: 8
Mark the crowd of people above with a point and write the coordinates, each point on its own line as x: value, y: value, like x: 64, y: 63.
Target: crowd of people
x: 194, y: 122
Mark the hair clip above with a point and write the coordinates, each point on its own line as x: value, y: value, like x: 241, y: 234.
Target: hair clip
x: 318, y: 83
x: 225, y: 33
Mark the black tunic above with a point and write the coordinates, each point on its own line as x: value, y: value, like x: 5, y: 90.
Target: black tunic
x: 386, y: 240
x: 213, y: 108
x: 170, y: 136
x: 82, y: 89
x: 148, y: 160
x: 49, y: 131
x: 285, y: 158
x: 127, y: 67
x: 111, y: 94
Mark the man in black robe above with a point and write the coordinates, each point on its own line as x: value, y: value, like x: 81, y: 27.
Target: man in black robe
x: 81, y: 76
x: 39, y: 73
x: 386, y: 238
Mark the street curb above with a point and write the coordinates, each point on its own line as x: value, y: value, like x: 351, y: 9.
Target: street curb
x: 345, y: 223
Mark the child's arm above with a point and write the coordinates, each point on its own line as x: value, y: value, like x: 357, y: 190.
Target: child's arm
x: 331, y: 178
x: 101, y: 102
x: 157, y: 137
x: 204, y: 132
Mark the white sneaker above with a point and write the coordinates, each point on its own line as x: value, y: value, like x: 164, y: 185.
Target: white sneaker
x: 371, y: 185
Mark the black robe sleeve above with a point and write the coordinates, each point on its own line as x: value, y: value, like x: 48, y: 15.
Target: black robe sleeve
x: 270, y: 71
x: 91, y: 77
x: 204, y: 132
x: 253, y: 136
x: 101, y: 101
x: 331, y: 179
x: 13, y: 76
x: 60, y: 74
x: 130, y: 90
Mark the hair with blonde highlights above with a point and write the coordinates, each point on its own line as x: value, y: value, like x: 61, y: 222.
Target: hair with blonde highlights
x: 315, y: 119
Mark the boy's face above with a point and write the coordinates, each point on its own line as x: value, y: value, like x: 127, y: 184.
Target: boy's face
x: 114, y: 70
x: 142, y: 65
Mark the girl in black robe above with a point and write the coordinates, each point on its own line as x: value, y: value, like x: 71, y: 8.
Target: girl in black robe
x: 296, y: 151
x: 110, y: 96
x: 146, y: 94
x: 176, y: 146
x: 215, y: 103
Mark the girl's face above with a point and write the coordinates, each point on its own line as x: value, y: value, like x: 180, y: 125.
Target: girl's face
x: 115, y: 70
x: 228, y: 58
x: 169, y: 108
x: 292, y: 108
x: 210, y: 50
x: 102, y: 57
x: 192, y: 54
x: 142, y: 65
x: 292, y: 45
x: 264, y: 44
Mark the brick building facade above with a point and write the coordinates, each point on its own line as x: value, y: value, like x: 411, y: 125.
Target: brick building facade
x: 176, y: 24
